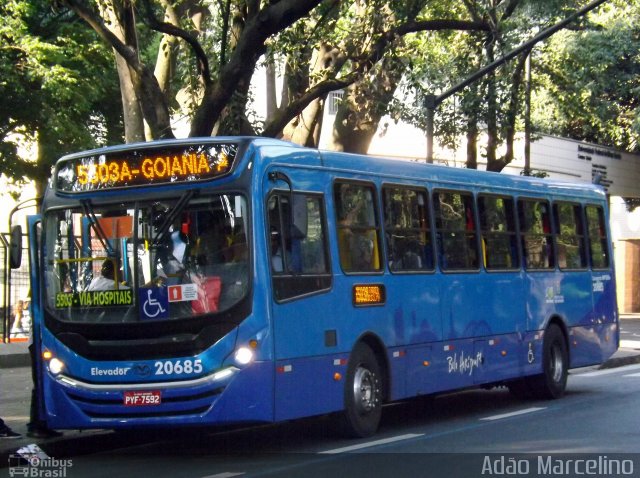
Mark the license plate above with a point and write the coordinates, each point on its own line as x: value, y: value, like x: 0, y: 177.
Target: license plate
x: 142, y: 399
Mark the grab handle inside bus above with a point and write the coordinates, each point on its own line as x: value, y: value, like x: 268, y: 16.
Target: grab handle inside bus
x: 15, y: 247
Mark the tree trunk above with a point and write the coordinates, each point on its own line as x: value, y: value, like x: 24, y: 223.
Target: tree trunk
x: 306, y: 127
x: 233, y: 119
x: 512, y: 111
x: 132, y: 113
x: 364, y: 104
x: 270, y: 80
x: 492, y: 108
x: 236, y: 74
x: 309, y: 126
x: 472, y: 144
x: 167, y: 51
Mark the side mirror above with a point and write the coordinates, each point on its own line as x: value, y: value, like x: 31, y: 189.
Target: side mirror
x: 15, y: 247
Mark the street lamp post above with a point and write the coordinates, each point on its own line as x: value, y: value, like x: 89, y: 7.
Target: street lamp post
x: 430, y: 105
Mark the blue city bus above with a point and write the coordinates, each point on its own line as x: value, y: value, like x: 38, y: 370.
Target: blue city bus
x: 249, y: 280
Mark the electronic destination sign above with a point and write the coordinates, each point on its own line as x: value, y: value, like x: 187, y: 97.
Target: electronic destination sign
x: 144, y: 166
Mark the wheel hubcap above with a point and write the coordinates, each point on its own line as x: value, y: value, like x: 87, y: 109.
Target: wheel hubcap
x: 364, y: 390
x: 556, y: 364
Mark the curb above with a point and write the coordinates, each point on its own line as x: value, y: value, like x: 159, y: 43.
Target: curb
x: 14, y: 355
x: 15, y: 360
x: 616, y: 362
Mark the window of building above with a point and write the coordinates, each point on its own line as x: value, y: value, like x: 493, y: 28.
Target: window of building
x: 334, y: 99
x: 406, y: 228
x: 455, y: 230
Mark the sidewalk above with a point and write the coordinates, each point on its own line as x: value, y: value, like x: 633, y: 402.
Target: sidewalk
x: 15, y: 397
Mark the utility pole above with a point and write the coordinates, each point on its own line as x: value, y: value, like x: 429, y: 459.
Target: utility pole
x: 432, y: 104
x: 527, y: 116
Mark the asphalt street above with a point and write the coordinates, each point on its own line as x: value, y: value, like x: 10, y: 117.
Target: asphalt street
x: 15, y: 383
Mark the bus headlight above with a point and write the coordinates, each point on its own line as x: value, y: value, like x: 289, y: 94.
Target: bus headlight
x: 55, y: 366
x: 244, y: 356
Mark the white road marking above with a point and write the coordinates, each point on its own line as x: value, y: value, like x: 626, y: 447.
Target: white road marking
x: 369, y: 444
x: 633, y: 375
x: 597, y: 373
x: 514, y: 414
x: 226, y: 474
x: 17, y: 418
x: 630, y: 344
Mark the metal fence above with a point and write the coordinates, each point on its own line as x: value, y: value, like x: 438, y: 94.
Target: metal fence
x: 15, y: 297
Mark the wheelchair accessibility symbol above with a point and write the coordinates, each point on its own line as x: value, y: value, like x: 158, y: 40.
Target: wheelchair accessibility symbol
x: 154, y: 303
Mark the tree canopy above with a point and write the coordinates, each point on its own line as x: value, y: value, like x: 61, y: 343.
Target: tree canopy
x: 56, y: 88
x: 82, y: 73
x: 588, y: 79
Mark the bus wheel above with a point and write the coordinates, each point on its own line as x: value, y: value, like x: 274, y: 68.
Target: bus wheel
x: 362, y: 394
x: 555, y: 363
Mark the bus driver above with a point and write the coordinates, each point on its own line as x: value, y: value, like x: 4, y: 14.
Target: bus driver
x: 108, y: 276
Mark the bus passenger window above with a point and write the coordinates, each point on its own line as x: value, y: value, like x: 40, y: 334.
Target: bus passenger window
x: 358, y: 231
x: 570, y: 236
x: 598, y: 248
x: 297, y: 252
x: 498, y: 230
x: 537, y: 240
x: 407, y: 231
x: 455, y: 230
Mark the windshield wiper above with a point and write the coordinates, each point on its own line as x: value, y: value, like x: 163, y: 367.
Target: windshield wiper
x: 93, y: 220
x: 163, y: 230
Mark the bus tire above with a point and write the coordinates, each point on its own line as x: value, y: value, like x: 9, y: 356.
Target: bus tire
x: 552, y: 382
x: 362, y: 394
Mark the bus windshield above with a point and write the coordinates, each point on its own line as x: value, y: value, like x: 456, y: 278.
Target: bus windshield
x: 145, y: 261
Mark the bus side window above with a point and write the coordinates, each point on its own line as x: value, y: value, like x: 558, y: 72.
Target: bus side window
x: 298, y: 258
x: 407, y: 231
x: 498, y: 229
x: 358, y: 231
x: 570, y: 236
x: 456, y: 231
x: 597, y: 234
x: 535, y: 229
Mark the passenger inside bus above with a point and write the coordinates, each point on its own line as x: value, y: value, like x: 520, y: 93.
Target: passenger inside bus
x: 109, y: 278
x: 277, y: 261
x: 356, y: 233
x: 171, y: 260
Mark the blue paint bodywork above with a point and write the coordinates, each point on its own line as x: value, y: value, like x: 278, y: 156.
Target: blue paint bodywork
x: 436, y: 331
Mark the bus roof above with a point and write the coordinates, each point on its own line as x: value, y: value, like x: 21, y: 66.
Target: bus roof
x: 389, y: 170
